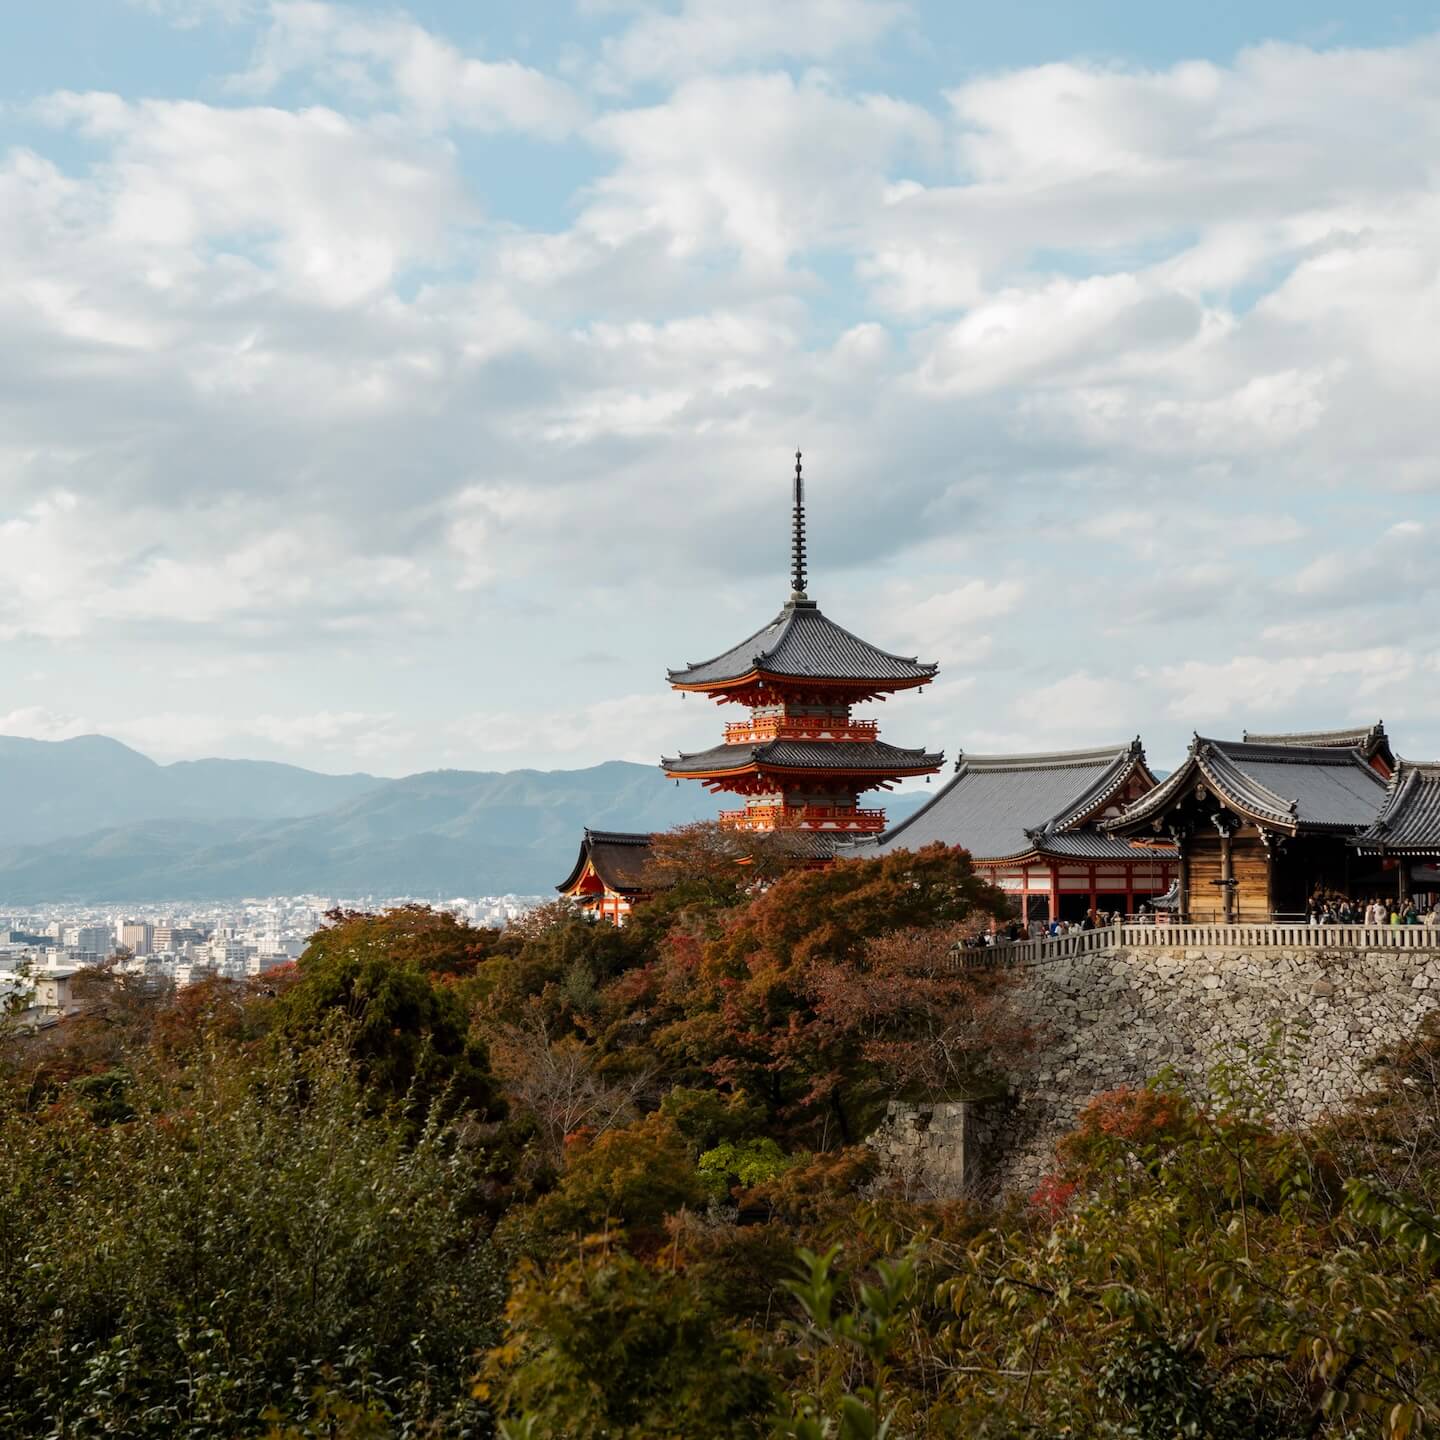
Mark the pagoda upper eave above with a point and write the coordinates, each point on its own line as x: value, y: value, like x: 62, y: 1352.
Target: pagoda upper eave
x: 755, y: 686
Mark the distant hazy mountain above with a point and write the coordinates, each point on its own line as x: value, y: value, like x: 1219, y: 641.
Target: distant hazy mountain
x: 446, y: 832
x: 52, y: 788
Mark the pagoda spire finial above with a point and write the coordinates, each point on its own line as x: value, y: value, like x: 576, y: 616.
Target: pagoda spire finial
x: 797, y: 545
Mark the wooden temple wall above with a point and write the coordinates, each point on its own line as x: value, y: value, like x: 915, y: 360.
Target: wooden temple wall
x: 1250, y: 868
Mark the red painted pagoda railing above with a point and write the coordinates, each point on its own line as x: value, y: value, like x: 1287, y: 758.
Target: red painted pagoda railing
x: 803, y: 817
x: 744, y: 732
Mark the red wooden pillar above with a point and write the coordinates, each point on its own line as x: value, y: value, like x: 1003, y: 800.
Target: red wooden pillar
x: 1094, y: 893
x: 1054, y: 891
x: 1129, y: 889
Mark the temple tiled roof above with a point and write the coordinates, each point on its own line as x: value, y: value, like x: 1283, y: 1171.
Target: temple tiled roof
x: 619, y: 858
x: 1369, y: 740
x: 1409, y: 820
x: 1287, y: 787
x: 861, y: 756
x: 999, y: 807
x: 801, y: 643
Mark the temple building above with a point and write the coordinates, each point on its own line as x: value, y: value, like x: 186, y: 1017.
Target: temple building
x: 1262, y: 826
x: 800, y: 760
x: 1405, y: 836
x: 609, y: 874
x: 1032, y: 826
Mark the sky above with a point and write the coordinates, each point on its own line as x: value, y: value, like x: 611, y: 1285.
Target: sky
x: 397, y: 389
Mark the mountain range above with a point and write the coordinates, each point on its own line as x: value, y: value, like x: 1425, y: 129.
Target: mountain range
x: 91, y: 820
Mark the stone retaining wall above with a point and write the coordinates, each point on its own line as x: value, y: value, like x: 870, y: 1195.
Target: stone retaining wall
x: 1115, y: 1017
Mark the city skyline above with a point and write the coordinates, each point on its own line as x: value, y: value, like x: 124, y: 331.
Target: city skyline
x: 397, y: 389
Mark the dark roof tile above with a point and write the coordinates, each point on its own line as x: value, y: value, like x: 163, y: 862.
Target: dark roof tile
x: 999, y: 806
x: 1370, y: 740
x: 866, y: 756
x: 620, y: 859
x: 801, y: 643
x: 1409, y: 820
x: 1289, y: 787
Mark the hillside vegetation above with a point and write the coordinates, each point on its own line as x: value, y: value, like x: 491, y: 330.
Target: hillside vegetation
x: 568, y: 1181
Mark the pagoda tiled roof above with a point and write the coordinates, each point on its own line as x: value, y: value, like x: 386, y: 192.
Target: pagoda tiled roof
x: 1287, y: 787
x: 1002, y: 807
x: 1409, y: 820
x: 1369, y: 740
x: 802, y: 643
x: 619, y: 857
x: 860, y: 756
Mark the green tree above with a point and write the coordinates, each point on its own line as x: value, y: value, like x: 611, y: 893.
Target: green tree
x: 606, y: 1347
x: 249, y: 1241
x: 409, y: 1034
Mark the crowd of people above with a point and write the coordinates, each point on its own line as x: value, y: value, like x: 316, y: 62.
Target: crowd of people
x: 1322, y: 909
x: 1015, y: 929
x: 1338, y: 910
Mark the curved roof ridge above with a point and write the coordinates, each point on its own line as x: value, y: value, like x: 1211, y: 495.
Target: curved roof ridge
x: 1401, y: 794
x: 1046, y: 759
x: 780, y: 622
x: 1105, y: 787
x: 1241, y: 786
x: 1288, y: 754
x: 1335, y: 738
x: 1244, y: 776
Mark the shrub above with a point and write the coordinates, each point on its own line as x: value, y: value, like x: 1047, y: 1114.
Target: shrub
x: 250, y: 1238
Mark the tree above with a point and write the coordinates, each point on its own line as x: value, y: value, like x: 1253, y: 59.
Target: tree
x: 246, y: 1239
x: 696, y: 872
x: 434, y: 942
x: 606, y: 1347
x: 796, y: 997
x: 409, y: 1034
x: 556, y: 1083
x: 627, y: 1179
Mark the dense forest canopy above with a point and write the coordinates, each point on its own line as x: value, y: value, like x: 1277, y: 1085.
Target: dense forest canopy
x: 566, y: 1180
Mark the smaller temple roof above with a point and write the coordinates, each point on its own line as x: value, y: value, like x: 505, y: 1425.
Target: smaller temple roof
x: 849, y: 756
x: 800, y: 643
x: 619, y: 859
x: 1409, y: 820
x: 1000, y: 807
x: 1286, y: 787
x: 1369, y: 740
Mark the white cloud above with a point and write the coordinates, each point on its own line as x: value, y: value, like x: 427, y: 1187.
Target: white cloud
x: 1075, y: 710
x: 953, y: 622
x: 706, y: 35
x: 338, y: 209
x: 35, y: 722
x: 394, y: 61
x: 1324, y: 683
x: 273, y: 383
x: 756, y: 164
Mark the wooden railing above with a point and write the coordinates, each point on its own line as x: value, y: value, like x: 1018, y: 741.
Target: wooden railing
x: 744, y: 732
x: 1211, y: 937
x: 803, y: 817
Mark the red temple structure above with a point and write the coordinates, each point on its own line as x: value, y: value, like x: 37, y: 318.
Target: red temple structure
x: 801, y: 760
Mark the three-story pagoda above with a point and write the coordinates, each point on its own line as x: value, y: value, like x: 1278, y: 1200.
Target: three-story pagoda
x: 802, y: 760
